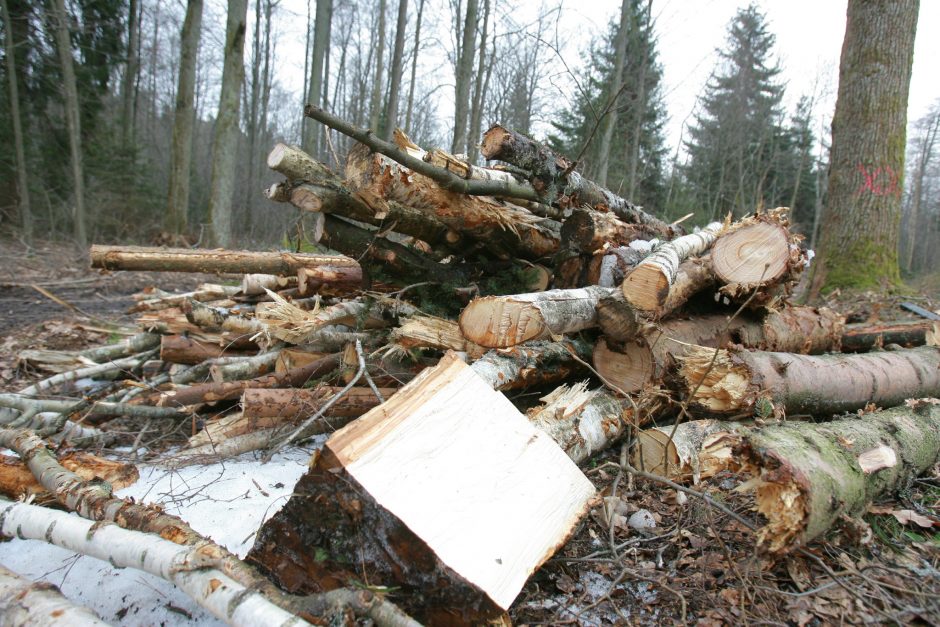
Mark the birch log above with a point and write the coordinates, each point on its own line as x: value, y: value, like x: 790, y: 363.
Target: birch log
x: 184, y: 566
x: 530, y: 364
x: 735, y: 381
x: 647, y: 287
x: 502, y: 321
x: 25, y: 603
x: 807, y: 477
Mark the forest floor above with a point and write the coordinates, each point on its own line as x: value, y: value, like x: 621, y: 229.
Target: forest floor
x: 696, y: 565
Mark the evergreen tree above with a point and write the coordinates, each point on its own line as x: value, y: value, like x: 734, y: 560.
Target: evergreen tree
x: 738, y: 148
x: 636, y: 160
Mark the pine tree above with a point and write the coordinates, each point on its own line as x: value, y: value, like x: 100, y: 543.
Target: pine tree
x: 637, y: 154
x: 738, y: 146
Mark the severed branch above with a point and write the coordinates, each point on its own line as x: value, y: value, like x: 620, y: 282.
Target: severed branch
x: 25, y: 602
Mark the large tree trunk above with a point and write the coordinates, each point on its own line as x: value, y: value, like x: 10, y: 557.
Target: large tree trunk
x: 859, y: 246
x: 610, y: 122
x: 63, y: 44
x: 22, y: 180
x: 129, y: 80
x: 375, y: 106
x: 225, y: 141
x: 784, y: 383
x: 508, y: 229
x: 463, y: 76
x: 479, y: 88
x: 321, y: 38
x: 394, y: 95
x: 414, y: 67
x: 177, y: 211
x: 808, y: 477
x: 142, y: 258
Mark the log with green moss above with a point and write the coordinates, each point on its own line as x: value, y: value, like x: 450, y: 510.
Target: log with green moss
x: 807, y: 477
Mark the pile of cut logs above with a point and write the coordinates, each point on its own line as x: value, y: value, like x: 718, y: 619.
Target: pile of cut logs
x: 432, y: 481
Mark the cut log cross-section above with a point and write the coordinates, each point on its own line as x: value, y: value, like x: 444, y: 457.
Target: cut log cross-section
x: 752, y: 255
x: 647, y: 287
x: 502, y: 321
x: 401, y: 498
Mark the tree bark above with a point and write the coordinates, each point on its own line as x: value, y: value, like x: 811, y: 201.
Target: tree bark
x: 414, y: 67
x: 22, y: 178
x: 177, y: 212
x: 859, y: 244
x: 179, y: 349
x: 864, y: 337
x: 647, y: 287
x: 228, y: 390
x: 463, y: 77
x: 225, y: 141
x: 588, y: 230
x: 502, y: 321
x: 24, y: 602
x: 18, y: 482
x: 556, y: 182
x: 532, y: 364
x: 145, y: 259
x: 129, y: 80
x: 479, y: 89
x: 375, y: 106
x: 620, y: 45
x: 391, y: 115
x: 808, y: 477
x: 63, y: 44
x: 741, y: 381
x: 502, y: 226
x: 300, y: 403
x: 321, y: 36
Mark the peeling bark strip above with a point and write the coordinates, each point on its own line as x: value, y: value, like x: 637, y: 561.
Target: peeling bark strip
x: 502, y: 321
x: 647, y: 287
x: 149, y: 259
x: 556, y: 181
x: 184, y: 566
x: 508, y: 229
x: 809, y: 476
x: 651, y: 357
x: 25, y: 602
x: 532, y: 363
x: 802, y: 384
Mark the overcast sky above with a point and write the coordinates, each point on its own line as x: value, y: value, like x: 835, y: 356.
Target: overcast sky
x: 808, y: 34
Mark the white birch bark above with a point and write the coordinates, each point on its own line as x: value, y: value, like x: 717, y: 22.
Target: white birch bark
x: 25, y: 603
x: 184, y: 566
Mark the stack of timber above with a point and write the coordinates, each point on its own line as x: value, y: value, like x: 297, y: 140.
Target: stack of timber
x: 428, y: 289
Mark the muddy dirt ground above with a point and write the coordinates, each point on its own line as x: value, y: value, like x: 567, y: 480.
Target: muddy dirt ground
x: 696, y: 565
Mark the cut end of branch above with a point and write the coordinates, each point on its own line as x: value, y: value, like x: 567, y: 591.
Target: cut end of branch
x: 646, y: 288
x: 752, y: 255
x: 499, y: 322
x: 629, y: 368
x: 715, y: 382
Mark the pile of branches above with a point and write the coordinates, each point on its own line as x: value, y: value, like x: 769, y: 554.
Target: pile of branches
x: 542, y: 281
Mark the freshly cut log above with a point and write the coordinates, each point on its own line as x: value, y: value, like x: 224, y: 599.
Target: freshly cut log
x: 650, y: 357
x: 588, y: 230
x: 304, y: 402
x: 864, y: 337
x: 400, y: 498
x: 297, y: 165
x: 503, y: 321
x: 17, y: 481
x: 152, y: 299
x: 421, y: 331
x: 256, y: 284
x: 173, y: 321
x: 289, y: 358
x: 147, y: 259
x: 531, y: 364
x: 28, y: 603
x: 581, y: 421
x: 508, y: 229
x: 735, y: 381
x: 611, y: 266
x: 227, y: 390
x: 807, y: 477
x: 756, y: 253
x: 693, y: 450
x: 311, y: 280
x: 555, y: 179
x: 647, y: 287
x: 179, y: 349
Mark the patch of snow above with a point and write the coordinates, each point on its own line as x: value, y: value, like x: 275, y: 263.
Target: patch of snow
x: 227, y: 502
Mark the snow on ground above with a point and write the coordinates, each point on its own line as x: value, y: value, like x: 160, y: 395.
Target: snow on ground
x: 227, y: 501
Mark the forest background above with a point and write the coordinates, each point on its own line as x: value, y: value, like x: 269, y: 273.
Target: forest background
x: 731, y: 130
